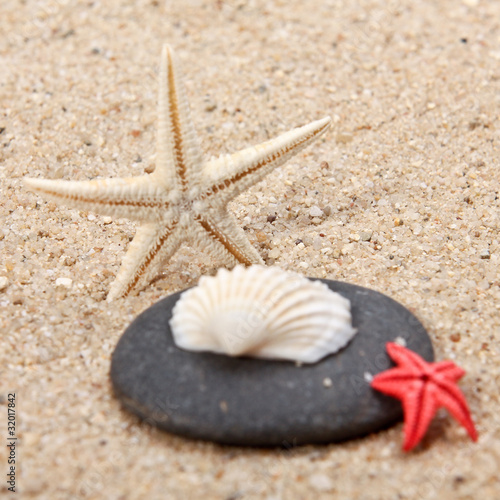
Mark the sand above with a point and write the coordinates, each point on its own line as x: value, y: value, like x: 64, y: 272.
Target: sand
x: 402, y: 195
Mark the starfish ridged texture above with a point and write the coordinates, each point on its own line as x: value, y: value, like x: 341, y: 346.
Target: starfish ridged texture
x: 422, y: 388
x: 185, y: 199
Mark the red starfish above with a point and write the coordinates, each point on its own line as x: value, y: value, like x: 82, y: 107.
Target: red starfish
x: 423, y: 388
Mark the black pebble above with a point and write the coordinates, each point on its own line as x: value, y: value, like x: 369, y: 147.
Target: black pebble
x: 253, y: 402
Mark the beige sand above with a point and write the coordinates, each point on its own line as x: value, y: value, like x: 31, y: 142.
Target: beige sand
x: 414, y: 92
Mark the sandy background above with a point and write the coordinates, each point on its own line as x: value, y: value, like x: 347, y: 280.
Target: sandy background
x: 414, y: 92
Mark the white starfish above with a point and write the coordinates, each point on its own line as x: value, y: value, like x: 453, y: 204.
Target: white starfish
x: 185, y: 199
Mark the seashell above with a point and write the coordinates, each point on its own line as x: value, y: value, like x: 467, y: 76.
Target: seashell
x: 262, y: 312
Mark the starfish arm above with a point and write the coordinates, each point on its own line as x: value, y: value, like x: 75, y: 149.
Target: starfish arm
x: 229, y: 175
x: 394, y: 382
x: 178, y: 155
x: 151, y: 246
x: 405, y: 357
x: 419, y: 406
x: 224, y: 240
x: 136, y: 198
x: 449, y: 370
x: 451, y: 397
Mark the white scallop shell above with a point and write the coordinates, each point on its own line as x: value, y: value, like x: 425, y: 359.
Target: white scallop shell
x: 262, y: 312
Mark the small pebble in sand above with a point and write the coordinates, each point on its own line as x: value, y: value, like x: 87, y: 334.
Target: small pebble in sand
x: 484, y: 254
x: 315, y: 211
x: 307, y: 240
x: 260, y: 236
x: 321, y: 482
x: 327, y: 210
x: 210, y: 105
x: 344, y: 138
x: 4, y: 282
x: 274, y: 253
x: 366, y: 235
x: 66, y: 282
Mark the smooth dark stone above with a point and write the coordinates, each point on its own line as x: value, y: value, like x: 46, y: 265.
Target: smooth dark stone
x: 244, y: 401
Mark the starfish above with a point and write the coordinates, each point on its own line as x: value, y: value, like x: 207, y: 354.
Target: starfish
x: 185, y: 199
x: 423, y: 388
